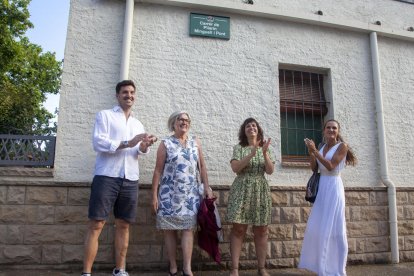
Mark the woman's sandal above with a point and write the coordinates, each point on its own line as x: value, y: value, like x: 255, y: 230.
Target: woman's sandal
x: 184, y: 274
x: 234, y: 269
x: 263, y: 272
x: 172, y: 274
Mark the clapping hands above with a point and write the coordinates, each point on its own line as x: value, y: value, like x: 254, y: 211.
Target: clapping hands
x: 310, y: 144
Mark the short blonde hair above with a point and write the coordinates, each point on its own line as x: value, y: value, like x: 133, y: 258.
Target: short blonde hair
x: 173, y: 118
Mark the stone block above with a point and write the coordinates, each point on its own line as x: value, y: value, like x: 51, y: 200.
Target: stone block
x: 382, y: 258
x: 409, y: 212
x: 147, y: 233
x: 52, y: 254
x: 363, y: 229
x: 142, y: 213
x: 354, y: 213
x: 144, y: 197
x: 377, y: 244
x: 276, y: 249
x: 225, y: 250
x: 408, y: 243
x: 12, y: 214
x: 3, y: 194
x: 400, y: 213
x: 374, y: 213
x: 402, y: 198
x: 74, y: 253
x: 405, y: 227
x: 357, y: 198
x: 50, y: 234
x: 305, y: 213
x: 281, y: 263
x: 359, y: 245
x: 32, y: 214
x: 46, y: 214
x: 410, y: 196
x: 15, y: 195
x: 145, y: 253
x: 224, y: 198
x: 407, y: 256
x: 71, y: 214
x: 21, y: 254
x: 299, y: 231
x: 275, y: 213
x: 222, y: 213
x: 280, y: 231
x: 298, y: 199
x: 46, y: 195
x: 3, y: 235
x: 378, y: 198
x: 291, y: 248
x: 357, y: 259
x: 383, y: 228
x: 290, y: 215
x: 15, y: 234
x: 352, y: 246
x: 280, y: 198
x: 79, y: 196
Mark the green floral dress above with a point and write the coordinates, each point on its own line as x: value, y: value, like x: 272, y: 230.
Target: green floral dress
x: 249, y: 200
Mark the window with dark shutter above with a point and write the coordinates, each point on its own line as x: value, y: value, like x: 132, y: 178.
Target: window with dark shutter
x: 302, y: 109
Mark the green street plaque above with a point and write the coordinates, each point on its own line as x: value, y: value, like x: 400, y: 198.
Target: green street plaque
x: 209, y: 25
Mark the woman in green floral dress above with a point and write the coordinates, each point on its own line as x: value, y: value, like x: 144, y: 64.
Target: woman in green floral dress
x: 250, y: 201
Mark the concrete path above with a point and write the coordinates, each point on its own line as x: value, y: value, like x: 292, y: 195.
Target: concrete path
x: 403, y: 269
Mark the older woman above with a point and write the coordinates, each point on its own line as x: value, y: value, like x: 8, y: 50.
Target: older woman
x: 325, y: 246
x: 249, y: 200
x: 176, y: 197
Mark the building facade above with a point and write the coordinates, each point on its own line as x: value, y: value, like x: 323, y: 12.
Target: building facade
x: 289, y: 64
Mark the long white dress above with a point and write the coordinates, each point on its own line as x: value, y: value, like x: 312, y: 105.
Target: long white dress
x: 325, y: 246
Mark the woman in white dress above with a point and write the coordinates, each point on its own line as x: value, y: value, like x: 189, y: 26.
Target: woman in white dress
x: 325, y: 246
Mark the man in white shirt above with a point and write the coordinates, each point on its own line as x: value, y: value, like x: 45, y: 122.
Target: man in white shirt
x: 118, y: 139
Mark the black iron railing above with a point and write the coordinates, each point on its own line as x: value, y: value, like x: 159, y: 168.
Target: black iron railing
x: 26, y: 150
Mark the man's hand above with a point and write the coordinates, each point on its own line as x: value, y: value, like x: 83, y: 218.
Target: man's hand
x: 146, y: 142
x: 138, y: 138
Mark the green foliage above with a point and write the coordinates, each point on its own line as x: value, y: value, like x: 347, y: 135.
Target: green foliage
x: 26, y: 74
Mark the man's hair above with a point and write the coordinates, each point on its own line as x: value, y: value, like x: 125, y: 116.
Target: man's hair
x: 120, y: 84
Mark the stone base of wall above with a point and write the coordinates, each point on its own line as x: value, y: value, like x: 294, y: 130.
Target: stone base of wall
x: 43, y: 224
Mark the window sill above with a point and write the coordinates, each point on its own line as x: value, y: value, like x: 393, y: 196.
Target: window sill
x: 292, y: 164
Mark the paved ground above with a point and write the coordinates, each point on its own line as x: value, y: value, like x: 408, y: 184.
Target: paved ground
x: 403, y: 269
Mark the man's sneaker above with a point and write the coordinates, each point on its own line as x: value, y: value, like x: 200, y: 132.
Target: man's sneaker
x: 121, y: 272
x: 86, y: 274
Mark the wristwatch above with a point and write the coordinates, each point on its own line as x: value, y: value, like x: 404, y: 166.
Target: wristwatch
x: 125, y: 143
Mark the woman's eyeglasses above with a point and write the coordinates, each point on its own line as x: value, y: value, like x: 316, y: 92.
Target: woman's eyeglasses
x: 183, y: 120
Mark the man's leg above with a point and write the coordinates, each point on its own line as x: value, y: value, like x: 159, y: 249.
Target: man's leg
x: 125, y: 211
x: 121, y: 242
x: 104, y: 191
x: 91, y: 243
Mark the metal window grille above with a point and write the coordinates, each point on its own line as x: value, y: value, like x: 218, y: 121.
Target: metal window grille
x: 302, y: 109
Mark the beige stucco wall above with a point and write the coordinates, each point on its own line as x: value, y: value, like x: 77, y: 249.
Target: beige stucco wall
x: 222, y: 82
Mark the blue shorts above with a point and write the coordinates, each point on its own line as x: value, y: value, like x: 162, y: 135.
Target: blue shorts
x: 113, y: 192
